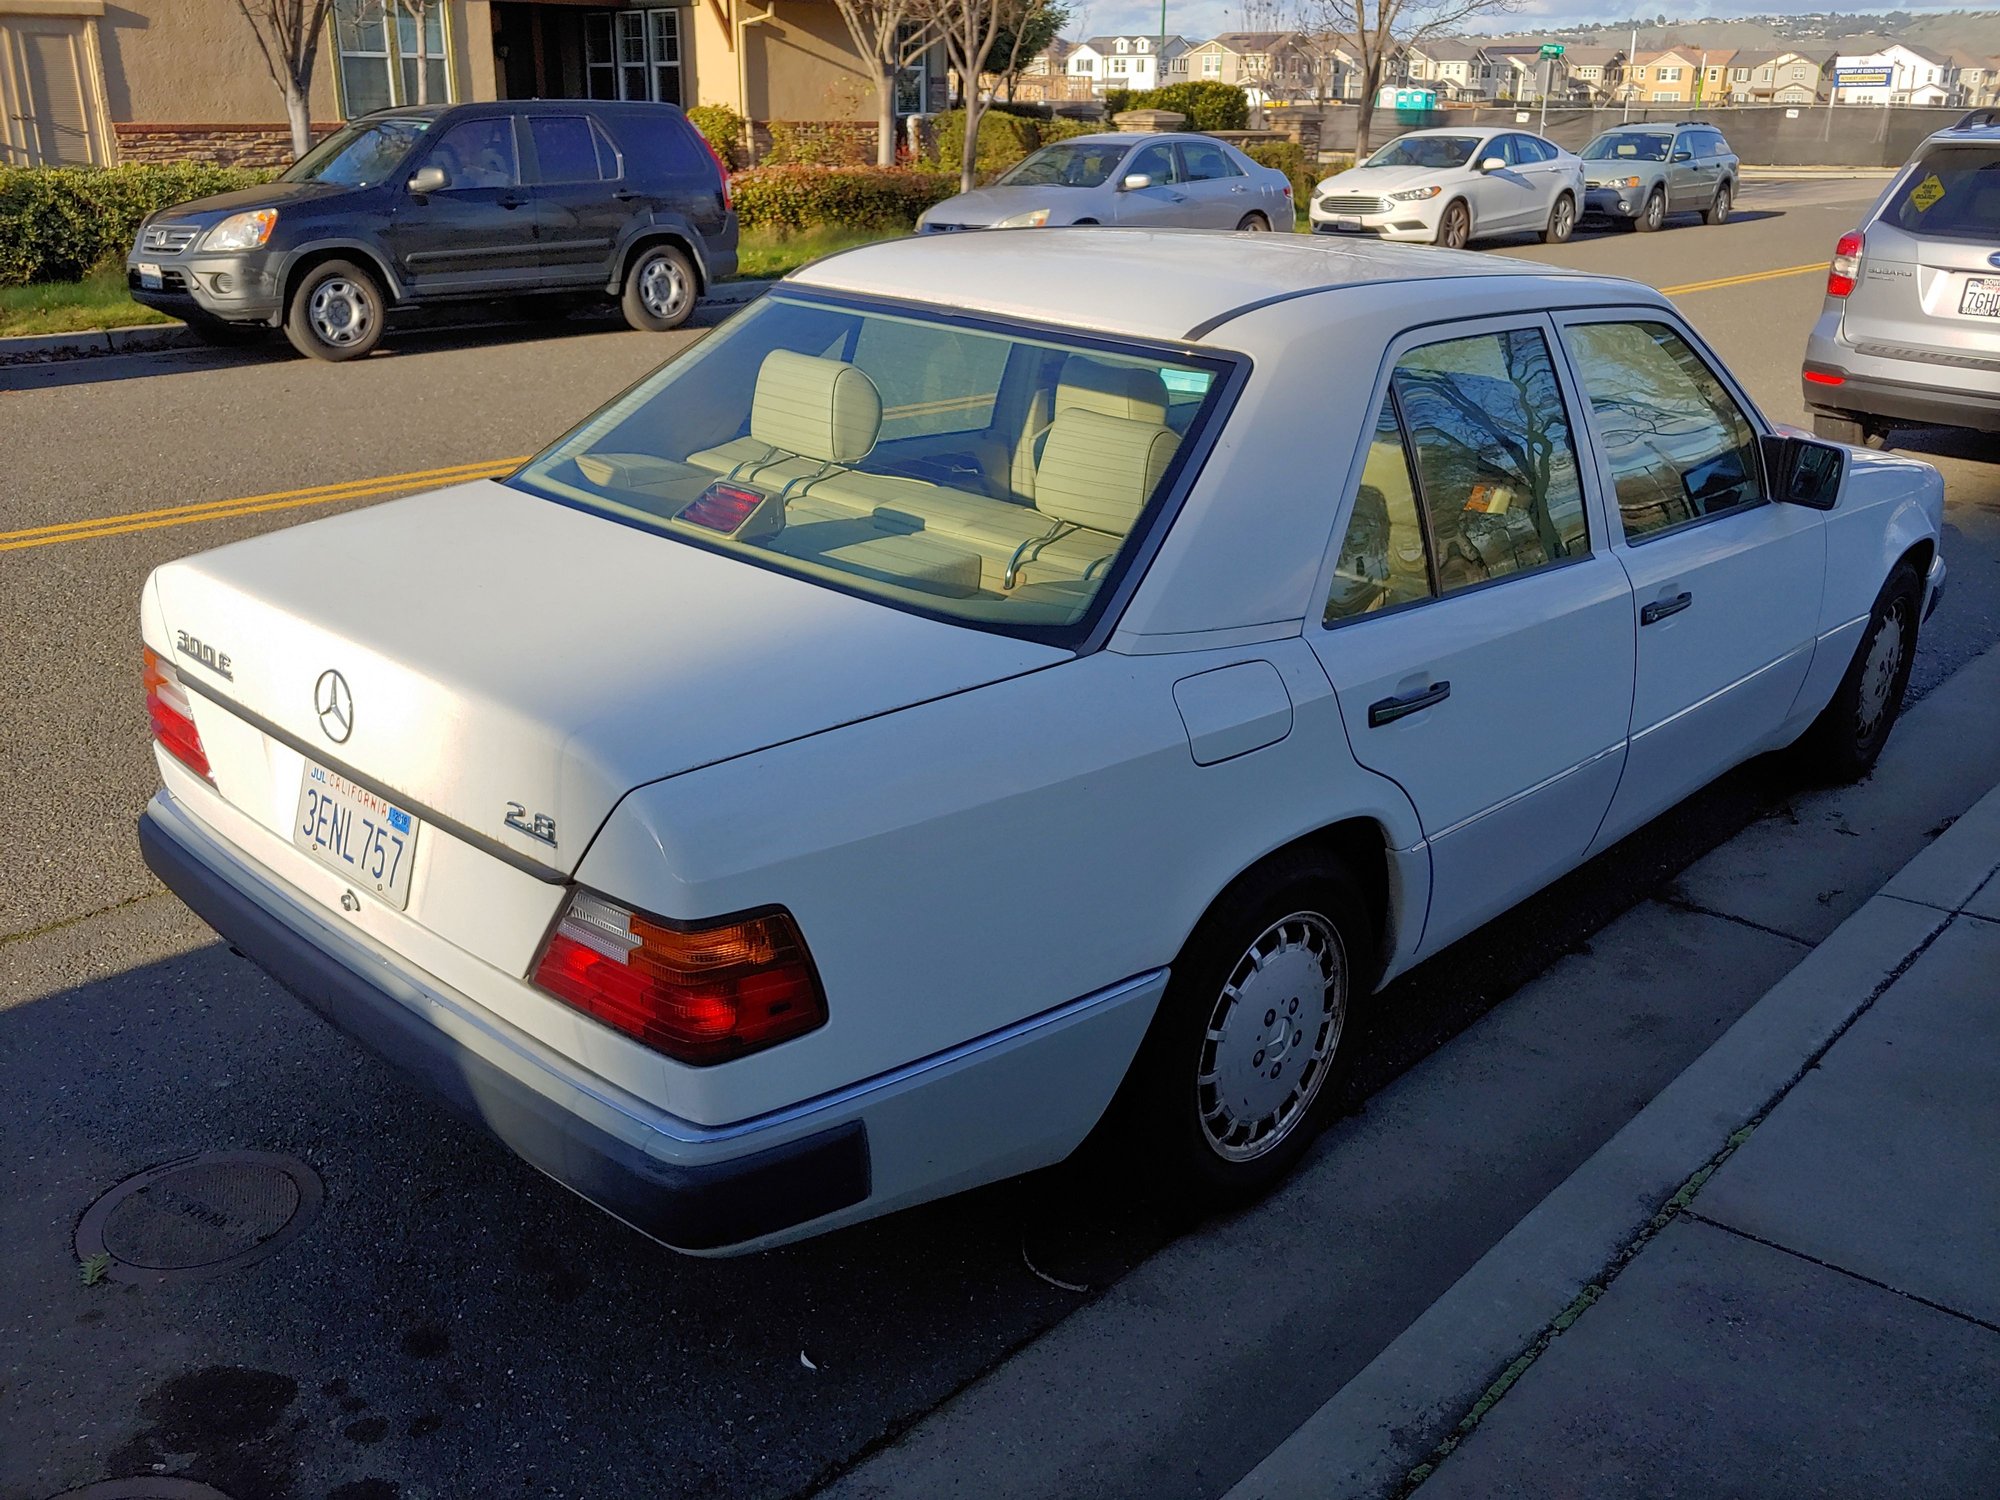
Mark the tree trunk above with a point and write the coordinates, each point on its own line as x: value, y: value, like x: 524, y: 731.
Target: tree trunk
x: 969, y: 157
x: 885, y: 118
x: 298, y: 109
x: 1364, y: 111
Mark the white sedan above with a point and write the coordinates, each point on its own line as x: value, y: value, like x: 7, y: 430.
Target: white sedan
x: 1452, y: 186
x: 990, y: 693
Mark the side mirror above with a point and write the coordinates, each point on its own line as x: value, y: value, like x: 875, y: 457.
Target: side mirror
x: 1803, y: 472
x: 428, y: 180
x: 1134, y: 181
x: 1683, y: 156
x: 1493, y: 164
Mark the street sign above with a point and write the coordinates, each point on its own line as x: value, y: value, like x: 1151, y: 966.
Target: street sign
x: 1552, y: 49
x: 1862, y: 78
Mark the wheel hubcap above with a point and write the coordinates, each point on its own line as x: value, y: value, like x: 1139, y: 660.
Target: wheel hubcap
x: 1270, y: 1037
x: 1879, y: 673
x: 1656, y: 210
x: 1455, y: 230
x: 341, y: 312
x: 662, y: 288
x: 1564, y: 214
x: 1722, y: 206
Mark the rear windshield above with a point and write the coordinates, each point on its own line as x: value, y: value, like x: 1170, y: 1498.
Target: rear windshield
x: 360, y: 155
x: 992, y: 476
x: 1953, y: 193
x: 1620, y: 146
x: 1086, y: 164
x: 1425, y: 151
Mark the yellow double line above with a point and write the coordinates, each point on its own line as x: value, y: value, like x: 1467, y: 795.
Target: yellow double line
x: 1723, y: 281
x: 250, y: 505
x: 389, y: 484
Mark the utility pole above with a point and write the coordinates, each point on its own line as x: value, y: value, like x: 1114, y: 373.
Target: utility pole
x: 1631, y: 61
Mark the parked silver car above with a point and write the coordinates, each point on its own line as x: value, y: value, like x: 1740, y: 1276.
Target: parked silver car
x: 1638, y: 174
x: 1182, y: 181
x: 1910, y: 330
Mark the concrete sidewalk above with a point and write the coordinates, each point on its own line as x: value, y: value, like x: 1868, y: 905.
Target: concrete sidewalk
x: 1816, y: 1309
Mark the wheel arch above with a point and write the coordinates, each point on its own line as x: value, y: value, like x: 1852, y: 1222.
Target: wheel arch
x: 646, y: 238
x: 305, y: 259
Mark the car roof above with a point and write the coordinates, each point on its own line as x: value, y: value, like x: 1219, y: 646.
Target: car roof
x: 1171, y: 284
x: 1133, y: 138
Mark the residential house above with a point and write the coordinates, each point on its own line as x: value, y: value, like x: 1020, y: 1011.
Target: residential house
x: 1270, y: 66
x: 1662, y: 76
x: 1043, y: 78
x: 1893, y: 73
x: 172, y: 79
x: 1129, y: 62
x: 1975, y: 80
x: 1453, y: 69
x: 1595, y: 72
x: 1773, y: 77
x: 1711, y: 81
x: 1801, y: 77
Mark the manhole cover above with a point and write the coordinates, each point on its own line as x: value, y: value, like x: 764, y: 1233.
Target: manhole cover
x: 199, y: 1216
x: 144, y: 1489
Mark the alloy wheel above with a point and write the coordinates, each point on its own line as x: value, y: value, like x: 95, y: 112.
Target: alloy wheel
x: 662, y: 288
x: 1270, y: 1037
x: 1656, y: 211
x: 1565, y: 219
x: 342, y: 313
x: 1721, y: 212
x: 1457, y: 227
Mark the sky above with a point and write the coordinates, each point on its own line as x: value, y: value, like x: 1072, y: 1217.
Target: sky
x: 1200, y: 19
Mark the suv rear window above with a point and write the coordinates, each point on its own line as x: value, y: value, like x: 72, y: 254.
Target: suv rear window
x: 1953, y: 194
x: 657, y: 143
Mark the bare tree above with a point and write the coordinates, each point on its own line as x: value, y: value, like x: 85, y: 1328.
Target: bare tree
x: 288, y: 34
x: 1373, y: 30
x: 969, y: 28
x: 420, y: 13
x: 890, y: 35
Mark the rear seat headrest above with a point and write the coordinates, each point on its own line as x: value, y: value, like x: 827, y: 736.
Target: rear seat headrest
x: 1115, y: 390
x: 823, y: 409
x: 1099, y: 471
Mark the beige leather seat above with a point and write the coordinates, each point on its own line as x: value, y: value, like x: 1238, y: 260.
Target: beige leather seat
x: 1088, y: 384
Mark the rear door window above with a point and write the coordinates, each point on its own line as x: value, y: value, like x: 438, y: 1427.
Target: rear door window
x: 1206, y: 160
x: 1953, y: 194
x: 565, y: 150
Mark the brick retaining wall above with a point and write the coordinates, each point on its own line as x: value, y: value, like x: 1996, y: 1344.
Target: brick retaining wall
x: 227, y: 145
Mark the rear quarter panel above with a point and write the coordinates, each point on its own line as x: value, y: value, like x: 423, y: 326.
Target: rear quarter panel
x: 970, y: 862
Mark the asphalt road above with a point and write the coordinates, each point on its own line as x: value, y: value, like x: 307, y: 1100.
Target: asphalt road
x: 451, y: 1324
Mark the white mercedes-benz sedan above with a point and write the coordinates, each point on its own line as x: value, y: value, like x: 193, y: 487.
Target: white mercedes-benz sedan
x: 997, y: 689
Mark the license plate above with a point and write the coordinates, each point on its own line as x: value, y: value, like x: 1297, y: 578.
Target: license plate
x: 149, y: 275
x: 1981, y: 298
x: 1345, y: 221
x: 367, y: 839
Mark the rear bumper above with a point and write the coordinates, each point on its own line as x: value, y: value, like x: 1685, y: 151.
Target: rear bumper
x: 1930, y: 392
x: 1000, y: 1104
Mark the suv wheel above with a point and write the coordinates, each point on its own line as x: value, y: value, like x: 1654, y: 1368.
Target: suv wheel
x: 659, y: 290
x: 1718, y: 211
x: 1654, y: 214
x: 336, y: 312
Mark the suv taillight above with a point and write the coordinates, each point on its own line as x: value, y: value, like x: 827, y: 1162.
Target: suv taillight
x: 172, y: 716
x: 721, y: 168
x: 1846, y: 267
x: 699, y: 993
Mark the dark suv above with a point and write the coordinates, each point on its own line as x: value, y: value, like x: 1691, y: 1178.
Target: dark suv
x: 410, y: 207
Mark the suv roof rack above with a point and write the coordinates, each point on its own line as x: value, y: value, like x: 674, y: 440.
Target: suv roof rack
x: 1979, y: 119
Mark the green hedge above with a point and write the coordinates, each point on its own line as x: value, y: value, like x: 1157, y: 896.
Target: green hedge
x: 1209, y: 105
x: 60, y: 223
x: 723, y: 129
x: 1290, y: 158
x: 1004, y: 139
x: 821, y: 143
x: 808, y: 197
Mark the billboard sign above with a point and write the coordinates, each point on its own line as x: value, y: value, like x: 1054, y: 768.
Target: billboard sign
x: 1862, y: 78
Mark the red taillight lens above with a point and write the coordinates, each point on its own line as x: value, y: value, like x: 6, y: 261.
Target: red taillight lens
x: 721, y: 169
x: 1846, y: 267
x: 701, y: 995
x: 723, y: 507
x: 172, y: 716
x: 1823, y: 377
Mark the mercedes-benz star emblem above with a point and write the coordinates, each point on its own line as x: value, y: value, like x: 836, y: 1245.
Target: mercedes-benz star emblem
x: 335, y: 705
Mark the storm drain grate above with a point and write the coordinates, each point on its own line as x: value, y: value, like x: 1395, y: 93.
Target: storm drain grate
x: 147, y: 1488
x: 200, y: 1216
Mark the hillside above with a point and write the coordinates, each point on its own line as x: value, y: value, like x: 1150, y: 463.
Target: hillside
x: 1976, y: 33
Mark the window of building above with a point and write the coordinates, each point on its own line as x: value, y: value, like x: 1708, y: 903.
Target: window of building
x: 1495, y: 463
x: 1123, y: 45
x: 1211, y: 65
x: 1670, y: 75
x: 383, y: 64
x: 633, y: 54
x: 1118, y: 65
x: 1083, y: 65
x: 1679, y: 446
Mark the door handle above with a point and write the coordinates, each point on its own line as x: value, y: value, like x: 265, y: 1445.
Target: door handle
x: 1389, y: 710
x: 511, y: 202
x: 625, y: 195
x: 1659, y: 609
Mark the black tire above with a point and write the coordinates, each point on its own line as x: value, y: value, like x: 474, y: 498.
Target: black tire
x: 1562, y: 221
x: 337, y: 312
x: 1654, y: 214
x: 1846, y: 739
x: 1454, y: 230
x: 1717, y: 212
x: 1254, y: 221
x: 1163, y: 1120
x: 660, y: 289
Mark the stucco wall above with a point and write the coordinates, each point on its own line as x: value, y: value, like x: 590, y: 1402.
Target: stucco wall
x: 195, y: 61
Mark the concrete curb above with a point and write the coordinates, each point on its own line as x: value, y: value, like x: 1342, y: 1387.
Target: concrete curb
x: 1824, y: 174
x: 1390, y: 1417
x: 146, y: 338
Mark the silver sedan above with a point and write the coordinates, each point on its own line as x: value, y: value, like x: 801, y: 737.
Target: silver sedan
x: 1184, y: 181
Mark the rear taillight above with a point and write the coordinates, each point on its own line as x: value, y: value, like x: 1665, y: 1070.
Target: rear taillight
x: 721, y: 169
x: 1846, y: 267
x: 701, y: 994
x: 172, y: 716
x: 723, y: 507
